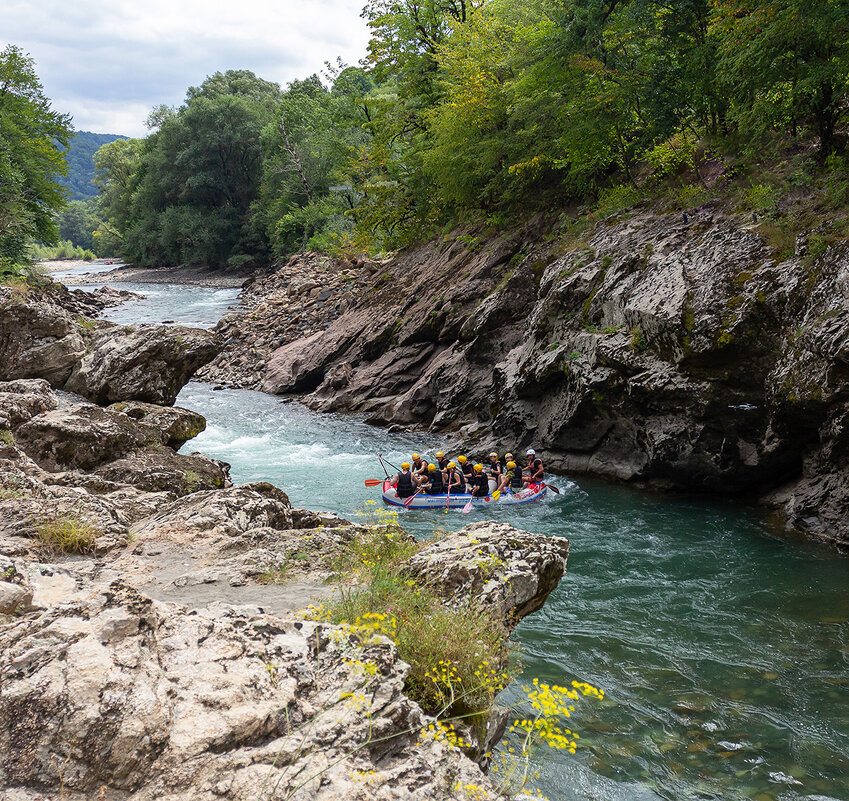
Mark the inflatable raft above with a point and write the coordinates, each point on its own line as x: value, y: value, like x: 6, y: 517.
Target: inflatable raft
x: 533, y: 492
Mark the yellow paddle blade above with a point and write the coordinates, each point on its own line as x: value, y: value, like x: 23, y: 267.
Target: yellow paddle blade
x: 496, y: 495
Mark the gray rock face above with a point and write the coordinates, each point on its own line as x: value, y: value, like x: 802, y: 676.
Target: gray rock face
x: 225, y: 512
x: 494, y: 565
x: 161, y: 470
x: 176, y: 425
x: 149, y: 364
x: 681, y: 355
x: 23, y: 399
x: 82, y: 436
x: 146, y: 700
x: 84, y: 468
x: 12, y: 596
x: 45, y: 333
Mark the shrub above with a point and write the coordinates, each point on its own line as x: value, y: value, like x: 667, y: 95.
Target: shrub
x: 459, y: 658
x: 67, y: 534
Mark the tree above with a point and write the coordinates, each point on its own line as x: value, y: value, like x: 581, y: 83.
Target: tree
x: 32, y: 139
x: 185, y: 195
x: 786, y: 64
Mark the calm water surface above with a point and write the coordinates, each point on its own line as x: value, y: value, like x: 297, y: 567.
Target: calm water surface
x: 723, y: 648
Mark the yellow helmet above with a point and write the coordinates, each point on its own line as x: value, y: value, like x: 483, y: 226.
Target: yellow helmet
x: 405, y: 465
x: 493, y: 454
x: 431, y: 468
x: 508, y: 456
x: 461, y: 459
x: 416, y: 456
x: 511, y: 465
x: 478, y: 468
x: 439, y: 454
x: 451, y: 465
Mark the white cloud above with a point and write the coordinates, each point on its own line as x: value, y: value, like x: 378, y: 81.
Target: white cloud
x: 109, y: 63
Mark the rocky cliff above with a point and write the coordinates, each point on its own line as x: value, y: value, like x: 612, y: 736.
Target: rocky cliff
x: 680, y: 352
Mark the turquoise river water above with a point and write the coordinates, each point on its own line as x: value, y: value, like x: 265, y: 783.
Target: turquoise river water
x: 722, y: 646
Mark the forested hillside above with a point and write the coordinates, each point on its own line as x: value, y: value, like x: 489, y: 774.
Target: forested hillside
x: 80, y: 155
x: 495, y: 110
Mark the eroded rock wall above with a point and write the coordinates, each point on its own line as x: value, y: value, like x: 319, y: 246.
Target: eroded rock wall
x: 681, y: 353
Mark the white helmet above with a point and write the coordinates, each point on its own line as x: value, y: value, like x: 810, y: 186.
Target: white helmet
x: 530, y: 452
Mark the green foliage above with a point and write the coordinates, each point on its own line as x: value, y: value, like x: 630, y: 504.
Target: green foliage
x: 467, y: 109
x: 66, y: 533
x: 79, y: 182
x: 786, y: 64
x: 64, y: 249
x: 32, y: 137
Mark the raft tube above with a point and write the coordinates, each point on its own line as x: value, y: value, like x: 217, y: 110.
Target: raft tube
x: 533, y: 492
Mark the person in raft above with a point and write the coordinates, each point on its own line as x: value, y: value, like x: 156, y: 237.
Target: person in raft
x: 403, y: 481
x: 434, y: 483
x: 512, y: 478
x: 466, y: 467
x: 419, y: 469
x: 456, y: 481
x: 493, y: 471
x: 441, y: 460
x: 479, y: 482
x: 534, y: 469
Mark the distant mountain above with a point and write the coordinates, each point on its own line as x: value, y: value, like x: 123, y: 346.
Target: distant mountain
x: 84, y: 145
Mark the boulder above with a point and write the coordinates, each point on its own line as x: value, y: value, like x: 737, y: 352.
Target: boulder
x: 150, y: 363
x: 39, y: 337
x: 220, y: 513
x: 145, y: 701
x: 12, y: 596
x: 23, y: 399
x: 494, y: 565
x: 159, y: 469
x: 82, y: 436
x: 176, y: 425
x: 46, y: 333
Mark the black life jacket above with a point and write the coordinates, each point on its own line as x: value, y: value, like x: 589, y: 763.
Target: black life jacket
x: 493, y: 468
x: 467, y: 469
x: 516, y: 479
x: 443, y: 463
x: 417, y: 465
x: 480, y: 482
x: 533, y: 467
x: 437, y: 487
x: 405, y: 485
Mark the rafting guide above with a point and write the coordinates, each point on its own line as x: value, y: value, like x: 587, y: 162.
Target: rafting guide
x: 457, y: 484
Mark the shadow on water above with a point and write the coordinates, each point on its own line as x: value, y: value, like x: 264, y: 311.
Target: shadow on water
x: 723, y: 648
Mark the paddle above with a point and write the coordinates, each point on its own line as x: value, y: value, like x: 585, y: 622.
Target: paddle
x: 467, y: 508
x: 496, y: 495
x: 552, y: 488
x: 448, y: 497
x: 410, y: 499
x: 374, y: 482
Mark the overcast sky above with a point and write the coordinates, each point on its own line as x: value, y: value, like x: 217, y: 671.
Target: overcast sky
x: 108, y: 62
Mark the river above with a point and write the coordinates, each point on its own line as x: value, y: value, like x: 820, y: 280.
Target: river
x: 722, y: 646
